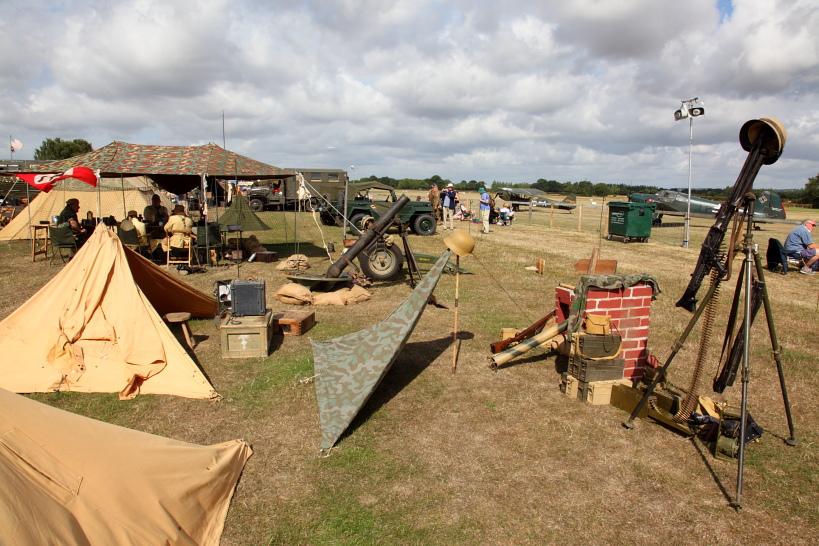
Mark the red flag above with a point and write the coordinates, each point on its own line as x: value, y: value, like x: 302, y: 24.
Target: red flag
x: 44, y: 182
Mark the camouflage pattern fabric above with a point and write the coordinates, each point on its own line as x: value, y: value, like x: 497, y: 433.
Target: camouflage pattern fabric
x: 350, y: 367
x: 606, y: 282
x: 240, y: 214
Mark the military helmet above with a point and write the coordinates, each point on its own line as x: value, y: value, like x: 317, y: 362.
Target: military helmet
x: 460, y: 242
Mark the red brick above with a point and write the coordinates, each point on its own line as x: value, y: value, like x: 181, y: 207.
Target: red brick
x: 632, y: 302
x: 614, y: 314
x: 613, y: 303
x: 640, y: 290
x: 597, y: 294
x: 627, y: 323
x: 633, y: 354
x: 645, y: 321
x: 637, y: 333
x: 639, y: 312
x: 633, y: 373
x: 631, y: 344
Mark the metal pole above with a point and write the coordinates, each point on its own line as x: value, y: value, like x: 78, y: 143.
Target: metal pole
x: 455, y: 324
x: 746, y: 364
x: 688, y: 207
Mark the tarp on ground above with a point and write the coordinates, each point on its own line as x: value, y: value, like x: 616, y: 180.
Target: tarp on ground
x: 178, y: 169
x: 92, y: 328
x: 239, y: 213
x: 68, y: 479
x: 116, y: 199
x: 349, y: 368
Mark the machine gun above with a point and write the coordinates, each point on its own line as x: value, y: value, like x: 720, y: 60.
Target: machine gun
x: 764, y: 140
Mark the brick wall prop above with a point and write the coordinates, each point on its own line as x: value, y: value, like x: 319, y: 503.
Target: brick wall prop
x: 630, y: 313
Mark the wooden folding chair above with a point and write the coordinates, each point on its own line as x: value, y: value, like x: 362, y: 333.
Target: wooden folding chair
x: 175, y: 257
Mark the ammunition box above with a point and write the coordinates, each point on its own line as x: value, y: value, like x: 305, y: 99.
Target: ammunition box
x: 246, y: 337
x: 596, y: 370
x: 599, y: 346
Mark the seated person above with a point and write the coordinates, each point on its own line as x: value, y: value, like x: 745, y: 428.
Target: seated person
x: 68, y: 217
x: 505, y: 216
x: 155, y: 214
x: 178, y: 227
x: 133, y: 222
x: 799, y: 244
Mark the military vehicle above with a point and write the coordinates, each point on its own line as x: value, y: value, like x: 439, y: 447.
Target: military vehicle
x: 675, y: 203
x: 284, y: 193
x: 372, y: 199
x: 522, y: 197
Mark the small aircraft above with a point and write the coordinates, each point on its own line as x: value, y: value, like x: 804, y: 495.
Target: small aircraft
x: 675, y: 203
x: 522, y: 197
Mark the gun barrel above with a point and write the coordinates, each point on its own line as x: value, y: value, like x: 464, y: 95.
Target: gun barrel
x: 524, y: 347
x: 378, y: 229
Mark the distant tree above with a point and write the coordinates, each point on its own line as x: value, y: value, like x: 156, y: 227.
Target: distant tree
x: 812, y: 191
x: 57, y: 148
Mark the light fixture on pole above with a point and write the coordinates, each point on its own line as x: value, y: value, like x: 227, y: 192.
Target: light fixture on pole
x: 690, y: 109
x: 346, y: 190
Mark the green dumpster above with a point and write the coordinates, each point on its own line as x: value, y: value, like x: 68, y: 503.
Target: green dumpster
x: 630, y: 221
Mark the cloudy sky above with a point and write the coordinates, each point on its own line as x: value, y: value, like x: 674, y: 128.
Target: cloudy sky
x: 510, y: 91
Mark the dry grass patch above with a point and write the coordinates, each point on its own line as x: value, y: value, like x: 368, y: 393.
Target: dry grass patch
x: 481, y: 456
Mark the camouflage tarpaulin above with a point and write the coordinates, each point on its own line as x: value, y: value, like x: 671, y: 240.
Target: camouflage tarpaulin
x: 239, y: 213
x: 175, y: 168
x: 350, y: 367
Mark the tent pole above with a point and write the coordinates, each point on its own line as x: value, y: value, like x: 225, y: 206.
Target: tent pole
x: 122, y: 187
x: 205, y: 215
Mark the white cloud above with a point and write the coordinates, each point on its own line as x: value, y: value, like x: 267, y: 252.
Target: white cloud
x: 469, y: 90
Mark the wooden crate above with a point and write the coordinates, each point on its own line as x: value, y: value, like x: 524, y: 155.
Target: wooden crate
x: 294, y: 323
x: 599, y: 392
x: 596, y: 370
x: 246, y: 337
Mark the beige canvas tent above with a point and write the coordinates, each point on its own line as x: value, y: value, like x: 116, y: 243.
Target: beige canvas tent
x: 94, y: 327
x: 68, y: 479
x: 117, y: 197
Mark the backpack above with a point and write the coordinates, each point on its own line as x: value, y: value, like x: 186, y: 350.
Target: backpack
x: 777, y: 260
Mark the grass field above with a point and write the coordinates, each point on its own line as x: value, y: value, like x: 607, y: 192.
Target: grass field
x: 482, y: 456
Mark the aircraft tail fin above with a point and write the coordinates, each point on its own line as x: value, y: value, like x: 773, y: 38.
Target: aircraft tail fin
x: 571, y: 198
x: 770, y: 204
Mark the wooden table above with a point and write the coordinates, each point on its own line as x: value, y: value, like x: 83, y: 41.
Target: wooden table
x: 39, y: 240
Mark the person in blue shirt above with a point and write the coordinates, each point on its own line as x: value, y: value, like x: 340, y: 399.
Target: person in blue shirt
x: 449, y: 198
x: 799, y: 244
x: 485, y: 209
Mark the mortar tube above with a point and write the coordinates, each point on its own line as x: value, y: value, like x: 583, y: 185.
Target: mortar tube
x: 378, y: 229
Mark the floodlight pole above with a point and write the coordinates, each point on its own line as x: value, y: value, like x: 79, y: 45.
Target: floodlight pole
x: 687, y: 233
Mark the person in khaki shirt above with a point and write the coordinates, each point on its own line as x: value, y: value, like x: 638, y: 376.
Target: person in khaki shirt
x: 178, y: 227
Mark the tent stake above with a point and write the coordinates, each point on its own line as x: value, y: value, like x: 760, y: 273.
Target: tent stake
x: 455, y: 325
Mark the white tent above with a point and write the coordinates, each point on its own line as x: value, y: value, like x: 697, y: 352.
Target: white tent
x: 117, y: 197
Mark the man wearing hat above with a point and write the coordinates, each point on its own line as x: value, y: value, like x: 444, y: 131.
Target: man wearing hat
x: 178, y: 227
x: 485, y: 209
x: 434, y: 197
x: 450, y: 197
x: 799, y: 244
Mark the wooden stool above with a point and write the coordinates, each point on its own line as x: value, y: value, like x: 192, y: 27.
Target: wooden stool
x: 182, y: 319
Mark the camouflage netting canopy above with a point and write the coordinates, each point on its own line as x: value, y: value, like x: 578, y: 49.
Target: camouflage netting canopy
x: 177, y: 169
x: 240, y: 214
x: 350, y: 367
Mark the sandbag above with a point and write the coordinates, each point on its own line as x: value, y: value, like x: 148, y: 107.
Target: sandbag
x: 294, y: 294
x: 336, y: 297
x: 357, y: 294
x: 296, y: 261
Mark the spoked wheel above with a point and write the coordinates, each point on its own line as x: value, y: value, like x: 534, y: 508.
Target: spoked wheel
x: 381, y: 262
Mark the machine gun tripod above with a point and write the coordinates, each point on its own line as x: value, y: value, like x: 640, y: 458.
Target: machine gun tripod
x: 764, y: 140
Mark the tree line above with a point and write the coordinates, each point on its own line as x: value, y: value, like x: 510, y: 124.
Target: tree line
x: 57, y: 148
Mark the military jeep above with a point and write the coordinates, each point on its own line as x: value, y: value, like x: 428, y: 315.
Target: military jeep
x: 372, y: 199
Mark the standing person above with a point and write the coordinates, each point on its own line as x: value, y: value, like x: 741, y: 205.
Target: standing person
x: 155, y: 214
x: 799, y: 244
x: 434, y: 197
x: 485, y: 209
x: 449, y: 199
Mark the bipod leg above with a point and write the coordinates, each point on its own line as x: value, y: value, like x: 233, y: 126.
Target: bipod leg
x: 678, y: 344
x: 775, y: 348
x: 412, y: 265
